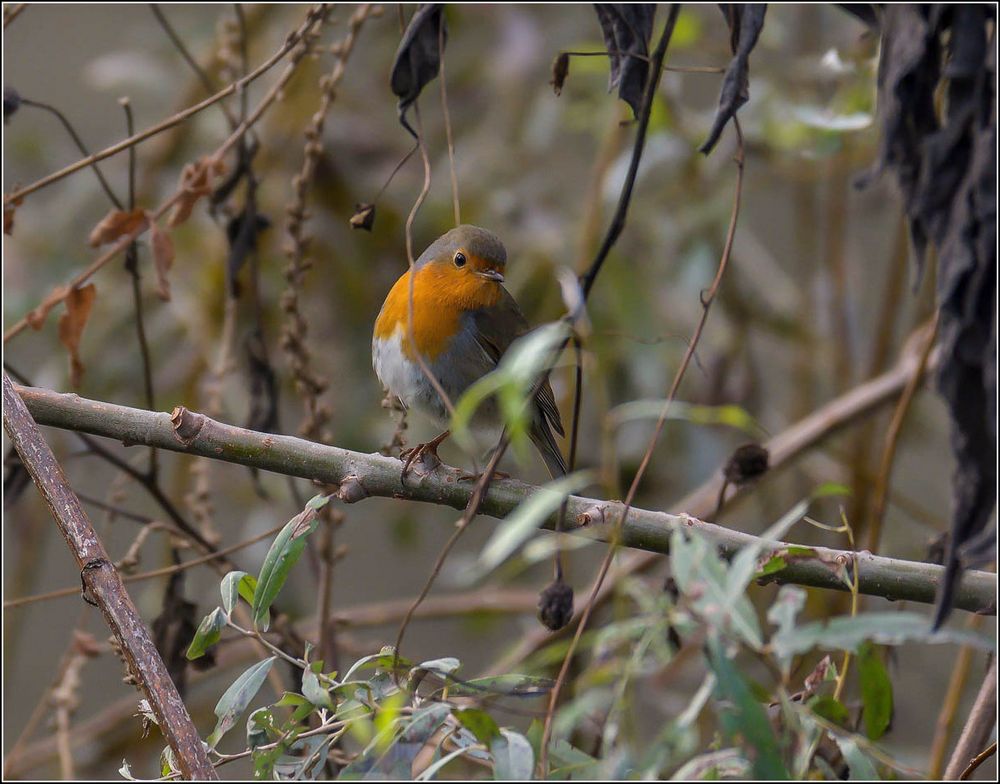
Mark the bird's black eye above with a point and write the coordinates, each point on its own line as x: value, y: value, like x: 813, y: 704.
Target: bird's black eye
x: 460, y: 259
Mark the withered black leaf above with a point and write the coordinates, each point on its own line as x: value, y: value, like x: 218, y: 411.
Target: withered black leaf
x: 560, y: 70
x: 745, y: 23
x: 242, y: 232
x: 418, y: 58
x: 946, y: 171
x: 627, y: 29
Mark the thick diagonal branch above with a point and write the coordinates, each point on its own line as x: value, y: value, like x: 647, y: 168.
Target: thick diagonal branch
x: 105, y: 584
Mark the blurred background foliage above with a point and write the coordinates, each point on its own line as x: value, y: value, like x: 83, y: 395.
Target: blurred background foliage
x: 817, y: 299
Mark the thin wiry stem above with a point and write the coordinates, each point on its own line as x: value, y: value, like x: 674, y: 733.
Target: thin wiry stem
x: 447, y: 128
x: 586, y: 285
x: 291, y: 42
x: 706, y: 302
x: 132, y: 266
x: 79, y: 145
x: 892, y: 440
x: 185, y: 53
x: 314, y: 17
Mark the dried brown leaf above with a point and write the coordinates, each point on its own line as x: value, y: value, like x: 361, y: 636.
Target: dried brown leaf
x: 79, y: 303
x: 9, y: 208
x: 37, y: 316
x: 115, y: 224
x: 163, y: 258
x: 196, y: 182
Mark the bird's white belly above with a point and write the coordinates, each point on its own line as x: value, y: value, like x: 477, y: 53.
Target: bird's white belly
x: 403, y: 377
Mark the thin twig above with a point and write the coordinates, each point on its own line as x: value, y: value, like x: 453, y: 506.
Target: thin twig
x: 11, y: 12
x: 185, y: 53
x: 164, y: 571
x: 132, y: 267
x: 950, y: 703
x: 978, y: 760
x: 290, y: 43
x: 975, y: 734
x: 79, y: 145
x: 411, y: 261
x: 706, y: 302
x: 122, y: 244
x: 447, y: 128
x: 883, y: 481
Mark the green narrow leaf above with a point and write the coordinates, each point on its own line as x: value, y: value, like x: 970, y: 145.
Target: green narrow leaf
x: 526, y: 519
x: 234, y: 702
x: 847, y: 633
x: 510, y: 684
x: 831, y: 709
x: 743, y: 717
x: 513, y: 758
x: 860, y: 767
x: 445, y: 666
x: 783, y: 612
x: 260, y: 721
x: 314, y: 691
x: 285, y: 551
x: 230, y: 589
x: 702, y: 576
x: 209, y: 631
x: 876, y: 691
x: 479, y: 722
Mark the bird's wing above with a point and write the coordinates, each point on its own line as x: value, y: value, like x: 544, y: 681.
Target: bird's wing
x: 499, y: 326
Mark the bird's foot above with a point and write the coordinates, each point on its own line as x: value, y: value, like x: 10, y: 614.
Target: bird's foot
x: 424, y: 453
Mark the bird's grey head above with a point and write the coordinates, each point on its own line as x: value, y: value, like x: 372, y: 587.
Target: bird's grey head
x: 479, y: 244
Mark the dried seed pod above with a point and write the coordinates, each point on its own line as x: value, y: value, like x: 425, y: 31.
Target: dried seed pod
x: 555, y: 605
x: 746, y: 464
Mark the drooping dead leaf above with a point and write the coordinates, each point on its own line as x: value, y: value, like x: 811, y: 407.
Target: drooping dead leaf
x: 79, y: 303
x: 196, y: 181
x: 115, y: 224
x: 163, y: 258
x: 37, y: 316
x: 560, y: 70
x: 9, y: 207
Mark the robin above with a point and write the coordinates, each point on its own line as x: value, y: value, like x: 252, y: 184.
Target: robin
x: 463, y: 322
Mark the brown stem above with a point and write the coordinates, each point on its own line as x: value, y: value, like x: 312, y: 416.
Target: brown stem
x: 706, y: 302
x: 949, y: 707
x: 978, y: 760
x: 106, y: 586
x: 977, y: 729
x: 892, y: 440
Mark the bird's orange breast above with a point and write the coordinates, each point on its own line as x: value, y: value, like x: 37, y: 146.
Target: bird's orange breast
x: 441, y: 294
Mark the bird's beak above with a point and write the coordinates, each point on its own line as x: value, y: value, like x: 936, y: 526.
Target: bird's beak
x: 491, y: 275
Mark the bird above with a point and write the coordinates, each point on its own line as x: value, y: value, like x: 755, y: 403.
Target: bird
x: 464, y: 320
